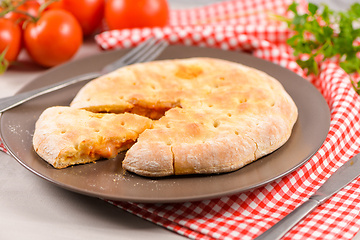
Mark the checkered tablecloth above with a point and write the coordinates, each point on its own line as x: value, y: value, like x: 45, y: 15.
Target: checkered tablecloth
x: 242, y: 25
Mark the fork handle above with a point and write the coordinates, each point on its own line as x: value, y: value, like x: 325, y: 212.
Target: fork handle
x: 13, y: 101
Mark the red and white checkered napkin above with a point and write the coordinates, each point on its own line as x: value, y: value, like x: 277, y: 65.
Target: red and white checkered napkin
x: 245, y: 25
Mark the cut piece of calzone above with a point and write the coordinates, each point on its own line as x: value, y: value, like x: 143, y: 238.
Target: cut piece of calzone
x: 67, y: 136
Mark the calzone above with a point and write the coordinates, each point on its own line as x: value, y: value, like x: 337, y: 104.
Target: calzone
x: 207, y: 115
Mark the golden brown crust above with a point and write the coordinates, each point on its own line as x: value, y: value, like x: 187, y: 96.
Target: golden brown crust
x: 67, y: 136
x: 158, y: 162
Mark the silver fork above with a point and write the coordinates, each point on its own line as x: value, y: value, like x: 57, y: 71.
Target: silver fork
x: 144, y: 52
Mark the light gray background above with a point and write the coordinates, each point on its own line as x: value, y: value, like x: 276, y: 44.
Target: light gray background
x: 31, y: 208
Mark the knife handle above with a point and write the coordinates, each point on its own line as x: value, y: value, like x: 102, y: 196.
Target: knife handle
x: 289, y: 221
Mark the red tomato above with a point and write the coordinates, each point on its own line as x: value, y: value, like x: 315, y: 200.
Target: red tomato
x: 11, y: 15
x: 10, y: 38
x: 31, y: 7
x: 54, y: 38
x: 121, y: 14
x: 89, y: 13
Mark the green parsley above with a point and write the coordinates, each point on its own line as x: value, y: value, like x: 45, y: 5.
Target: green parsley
x: 323, y: 33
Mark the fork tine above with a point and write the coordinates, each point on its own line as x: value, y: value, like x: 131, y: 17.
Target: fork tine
x: 150, y: 47
x: 124, y: 60
x: 154, y: 52
x: 142, y: 46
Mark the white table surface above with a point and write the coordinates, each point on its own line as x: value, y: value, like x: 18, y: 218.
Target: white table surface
x: 32, y: 208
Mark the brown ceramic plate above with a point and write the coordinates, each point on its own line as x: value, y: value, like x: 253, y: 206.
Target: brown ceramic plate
x: 106, y: 179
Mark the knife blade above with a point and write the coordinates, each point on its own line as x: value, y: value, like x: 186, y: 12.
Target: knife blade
x: 338, y: 180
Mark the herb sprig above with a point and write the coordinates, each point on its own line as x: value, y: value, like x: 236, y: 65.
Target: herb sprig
x: 4, y: 64
x: 322, y: 33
